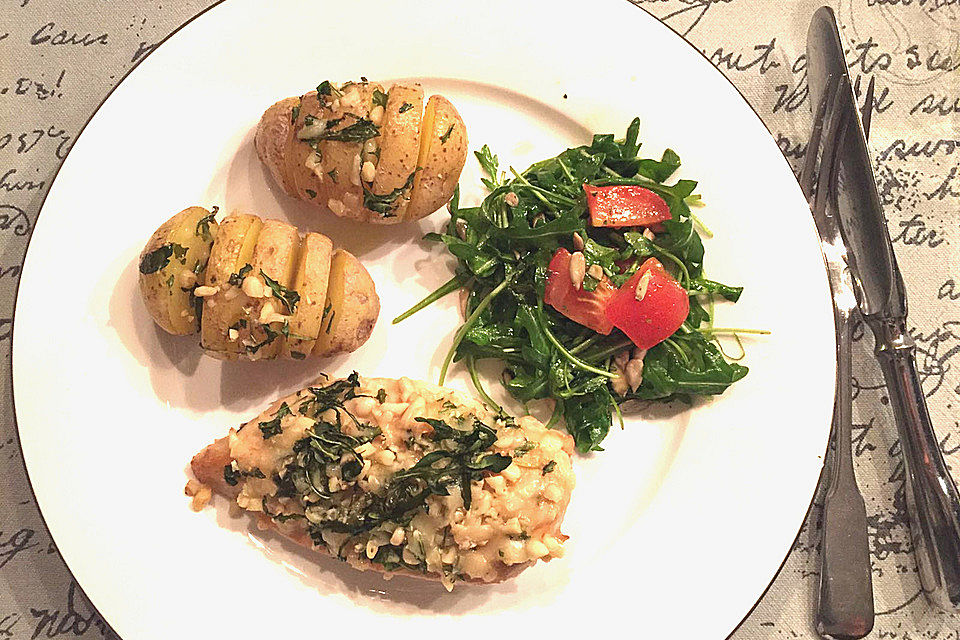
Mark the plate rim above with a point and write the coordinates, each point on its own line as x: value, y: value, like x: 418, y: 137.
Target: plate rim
x: 123, y: 78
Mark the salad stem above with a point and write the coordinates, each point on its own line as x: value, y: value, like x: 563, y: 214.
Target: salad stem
x: 735, y: 331
x: 448, y: 287
x: 574, y: 360
x: 611, y: 350
x: 472, y: 368
x: 468, y: 324
x: 585, y: 343
x: 542, y: 194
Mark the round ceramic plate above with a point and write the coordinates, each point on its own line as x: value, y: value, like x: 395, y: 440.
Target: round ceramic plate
x: 680, y: 524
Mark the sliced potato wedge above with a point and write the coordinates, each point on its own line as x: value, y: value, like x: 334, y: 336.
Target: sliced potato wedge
x: 274, y: 134
x: 331, y: 170
x: 222, y: 310
x: 443, y: 152
x: 313, y: 271
x: 399, y: 146
x: 353, y: 306
x: 169, y: 266
x: 274, y: 263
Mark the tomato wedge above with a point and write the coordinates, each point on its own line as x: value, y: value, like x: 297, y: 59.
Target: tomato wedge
x: 584, y: 307
x: 650, y: 306
x: 625, y: 206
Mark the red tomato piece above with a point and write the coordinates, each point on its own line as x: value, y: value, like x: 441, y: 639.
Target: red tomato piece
x: 650, y: 306
x: 583, y: 307
x: 625, y: 206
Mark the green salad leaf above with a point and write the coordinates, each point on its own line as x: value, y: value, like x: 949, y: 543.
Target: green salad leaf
x: 503, y: 248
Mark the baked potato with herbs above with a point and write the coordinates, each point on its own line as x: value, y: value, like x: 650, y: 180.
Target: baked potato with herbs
x: 255, y: 289
x: 363, y: 152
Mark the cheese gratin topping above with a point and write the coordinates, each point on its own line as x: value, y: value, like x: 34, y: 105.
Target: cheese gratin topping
x: 406, y: 475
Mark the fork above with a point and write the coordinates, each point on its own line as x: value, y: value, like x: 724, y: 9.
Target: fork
x: 845, y: 597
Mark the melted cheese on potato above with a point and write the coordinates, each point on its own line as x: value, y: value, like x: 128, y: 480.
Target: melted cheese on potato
x: 514, y: 515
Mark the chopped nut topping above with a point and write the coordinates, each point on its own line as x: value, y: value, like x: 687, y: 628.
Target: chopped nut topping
x: 578, y: 267
x: 578, y: 242
x: 205, y: 291
x: 642, y: 285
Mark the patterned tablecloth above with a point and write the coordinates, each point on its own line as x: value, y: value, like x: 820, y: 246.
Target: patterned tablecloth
x: 59, y: 59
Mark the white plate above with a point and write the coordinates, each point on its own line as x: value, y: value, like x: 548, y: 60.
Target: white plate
x: 679, y: 525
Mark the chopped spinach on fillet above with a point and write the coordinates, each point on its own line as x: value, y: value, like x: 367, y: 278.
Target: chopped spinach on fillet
x: 503, y: 247
x: 272, y: 427
x: 455, y: 457
x: 462, y: 459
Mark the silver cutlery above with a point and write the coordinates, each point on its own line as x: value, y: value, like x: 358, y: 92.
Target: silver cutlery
x: 845, y: 596
x: 933, y: 504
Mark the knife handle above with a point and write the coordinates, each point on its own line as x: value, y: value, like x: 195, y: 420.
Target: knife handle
x: 931, y: 494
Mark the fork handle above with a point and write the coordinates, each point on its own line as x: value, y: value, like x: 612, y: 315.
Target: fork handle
x: 845, y: 595
x: 931, y: 494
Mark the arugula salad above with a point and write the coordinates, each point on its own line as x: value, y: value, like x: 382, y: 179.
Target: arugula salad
x: 584, y: 275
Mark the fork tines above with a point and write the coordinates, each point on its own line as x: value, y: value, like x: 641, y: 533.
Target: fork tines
x: 818, y: 174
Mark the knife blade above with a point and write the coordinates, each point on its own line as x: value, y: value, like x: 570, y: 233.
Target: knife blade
x: 933, y: 503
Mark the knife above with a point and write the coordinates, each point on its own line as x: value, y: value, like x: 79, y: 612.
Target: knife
x: 933, y: 504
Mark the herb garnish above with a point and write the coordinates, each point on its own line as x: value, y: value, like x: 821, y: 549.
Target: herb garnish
x: 160, y: 257
x: 271, y: 333
x: 406, y: 106
x: 311, y: 193
x: 230, y: 475
x: 384, y: 204
x: 203, y: 225
x: 236, y: 279
x: 327, y: 89
x: 547, y: 468
x: 461, y: 459
x: 361, y: 130
x: 289, y: 297
x: 443, y: 138
x: 522, y: 450
x: 272, y: 427
x: 379, y: 98
x: 503, y: 252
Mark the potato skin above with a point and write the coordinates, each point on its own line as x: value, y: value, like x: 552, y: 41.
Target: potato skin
x: 443, y: 152
x: 311, y: 280
x: 264, y: 291
x: 330, y: 175
x: 168, y: 301
x: 354, y: 307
